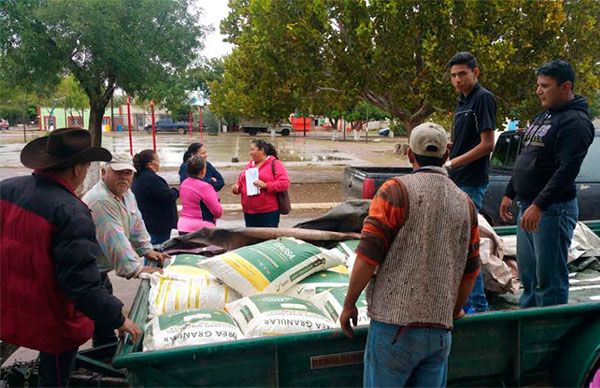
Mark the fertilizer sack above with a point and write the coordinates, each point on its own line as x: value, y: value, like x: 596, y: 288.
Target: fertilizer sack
x: 190, y: 327
x: 185, y: 265
x: 348, y: 251
x: 171, y: 292
x: 317, y: 283
x: 269, y: 315
x: 331, y: 303
x: 271, y: 266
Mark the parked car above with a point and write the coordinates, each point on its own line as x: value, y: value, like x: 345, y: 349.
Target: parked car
x: 253, y: 127
x: 363, y: 182
x: 4, y: 124
x: 168, y: 125
x: 385, y: 132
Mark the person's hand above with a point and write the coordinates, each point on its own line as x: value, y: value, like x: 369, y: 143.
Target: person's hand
x: 130, y: 327
x: 348, y: 313
x: 505, y: 213
x: 157, y: 256
x: 235, y: 189
x: 213, y: 179
x: 260, y: 184
x: 458, y: 314
x: 150, y: 270
x: 531, y: 218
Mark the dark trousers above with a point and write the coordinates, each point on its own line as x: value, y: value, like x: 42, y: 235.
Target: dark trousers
x: 104, y: 335
x: 54, y: 370
x: 262, y: 220
x: 156, y: 239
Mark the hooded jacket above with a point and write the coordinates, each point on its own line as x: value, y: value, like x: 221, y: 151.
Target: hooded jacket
x: 552, y: 151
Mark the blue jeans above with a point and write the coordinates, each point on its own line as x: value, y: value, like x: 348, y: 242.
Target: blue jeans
x: 159, y: 238
x: 406, y: 356
x: 542, y: 255
x: 477, y: 302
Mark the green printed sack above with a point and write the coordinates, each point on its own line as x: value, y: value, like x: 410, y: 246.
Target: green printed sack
x: 348, y: 250
x: 269, y: 314
x: 171, y: 292
x: 317, y: 283
x: 331, y: 303
x: 271, y: 266
x: 190, y: 327
x: 185, y: 264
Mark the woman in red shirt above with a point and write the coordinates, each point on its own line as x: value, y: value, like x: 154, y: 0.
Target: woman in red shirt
x: 262, y: 210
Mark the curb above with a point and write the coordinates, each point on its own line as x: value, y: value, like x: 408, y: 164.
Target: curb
x: 232, y: 207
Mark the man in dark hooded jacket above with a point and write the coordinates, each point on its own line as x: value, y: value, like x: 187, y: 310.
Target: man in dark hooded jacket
x: 543, y: 184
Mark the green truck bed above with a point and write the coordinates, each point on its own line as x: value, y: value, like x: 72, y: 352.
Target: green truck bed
x: 557, y: 346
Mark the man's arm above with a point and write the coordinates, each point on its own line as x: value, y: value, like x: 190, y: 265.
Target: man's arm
x: 139, y: 236
x: 75, y: 252
x: 387, y: 214
x: 485, y: 147
x: 361, y: 275
x: 113, y: 241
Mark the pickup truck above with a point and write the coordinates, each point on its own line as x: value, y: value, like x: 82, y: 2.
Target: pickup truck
x: 168, y: 125
x: 547, y: 346
x: 363, y: 182
x: 253, y: 127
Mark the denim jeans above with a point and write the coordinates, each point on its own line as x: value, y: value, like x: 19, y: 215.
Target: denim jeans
x: 542, y: 255
x: 406, y: 356
x: 477, y: 302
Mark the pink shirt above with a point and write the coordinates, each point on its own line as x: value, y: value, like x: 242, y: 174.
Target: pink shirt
x: 266, y: 200
x: 191, y: 192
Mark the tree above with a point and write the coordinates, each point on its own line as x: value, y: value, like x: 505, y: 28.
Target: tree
x: 71, y: 97
x: 393, y: 54
x: 140, y: 46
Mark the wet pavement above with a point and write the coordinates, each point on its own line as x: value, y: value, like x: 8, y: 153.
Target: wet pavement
x: 315, y: 165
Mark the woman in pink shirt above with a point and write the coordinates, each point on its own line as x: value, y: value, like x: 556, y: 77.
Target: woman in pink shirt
x: 262, y: 210
x: 194, y: 192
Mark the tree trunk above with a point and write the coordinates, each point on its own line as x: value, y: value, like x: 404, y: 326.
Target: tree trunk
x: 95, y: 123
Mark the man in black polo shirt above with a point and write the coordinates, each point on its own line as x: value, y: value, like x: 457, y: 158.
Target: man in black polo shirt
x: 472, y: 144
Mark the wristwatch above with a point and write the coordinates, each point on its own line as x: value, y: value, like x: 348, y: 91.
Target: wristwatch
x: 448, y: 165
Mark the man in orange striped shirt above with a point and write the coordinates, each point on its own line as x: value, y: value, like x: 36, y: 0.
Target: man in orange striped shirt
x: 419, y: 255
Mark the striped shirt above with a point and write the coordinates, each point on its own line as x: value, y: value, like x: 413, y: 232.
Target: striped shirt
x: 387, y: 214
x: 120, y: 231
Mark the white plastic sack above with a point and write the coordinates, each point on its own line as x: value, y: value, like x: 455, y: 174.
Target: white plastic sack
x: 190, y: 327
x: 173, y: 292
x: 317, y: 283
x: 185, y: 265
x: 271, y: 266
x: 331, y: 303
x: 269, y: 315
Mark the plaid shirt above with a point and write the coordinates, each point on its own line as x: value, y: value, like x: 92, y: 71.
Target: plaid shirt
x: 120, y: 231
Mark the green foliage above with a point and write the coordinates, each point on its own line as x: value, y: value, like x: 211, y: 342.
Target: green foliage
x: 140, y: 46
x: 16, y: 104
x: 595, y: 106
x: 325, y: 55
x: 70, y: 96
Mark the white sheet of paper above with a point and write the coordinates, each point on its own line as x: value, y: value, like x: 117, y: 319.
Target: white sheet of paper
x: 251, y: 177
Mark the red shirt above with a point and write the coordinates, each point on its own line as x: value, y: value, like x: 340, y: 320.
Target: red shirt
x: 266, y: 200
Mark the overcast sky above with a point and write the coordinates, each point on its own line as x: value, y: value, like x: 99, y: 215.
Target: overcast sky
x: 213, y: 12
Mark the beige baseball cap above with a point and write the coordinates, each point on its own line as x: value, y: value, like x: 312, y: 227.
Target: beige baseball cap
x: 120, y: 162
x: 428, y: 139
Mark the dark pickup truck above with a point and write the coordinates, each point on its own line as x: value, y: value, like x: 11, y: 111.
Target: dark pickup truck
x: 168, y: 125
x: 363, y: 182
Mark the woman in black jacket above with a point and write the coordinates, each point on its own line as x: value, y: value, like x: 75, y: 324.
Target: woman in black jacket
x: 156, y: 200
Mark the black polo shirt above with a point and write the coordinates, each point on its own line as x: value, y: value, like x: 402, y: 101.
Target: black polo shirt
x: 473, y: 114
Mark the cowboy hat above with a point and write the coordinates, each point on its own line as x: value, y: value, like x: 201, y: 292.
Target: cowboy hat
x: 63, y: 147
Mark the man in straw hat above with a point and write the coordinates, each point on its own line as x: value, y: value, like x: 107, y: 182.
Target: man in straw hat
x: 51, y: 292
x: 425, y: 269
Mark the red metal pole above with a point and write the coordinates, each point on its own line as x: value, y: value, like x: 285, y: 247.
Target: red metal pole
x: 153, y: 125
x: 129, y: 125
x: 201, y: 123
x: 190, y: 126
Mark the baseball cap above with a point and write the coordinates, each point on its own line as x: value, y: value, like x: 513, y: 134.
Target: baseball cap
x: 120, y: 162
x: 428, y: 139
